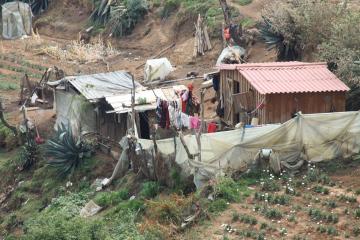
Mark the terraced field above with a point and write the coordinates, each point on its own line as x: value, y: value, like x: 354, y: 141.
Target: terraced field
x: 13, y: 67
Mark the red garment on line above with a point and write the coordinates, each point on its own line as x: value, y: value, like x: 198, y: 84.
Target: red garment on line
x: 212, y: 127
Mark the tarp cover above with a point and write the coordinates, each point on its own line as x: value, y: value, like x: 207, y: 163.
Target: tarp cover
x: 157, y: 69
x: 234, y: 53
x: 72, y: 109
x: 16, y: 20
x: 310, y: 137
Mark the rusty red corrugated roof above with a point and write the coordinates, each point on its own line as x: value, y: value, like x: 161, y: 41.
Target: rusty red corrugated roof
x: 289, y: 77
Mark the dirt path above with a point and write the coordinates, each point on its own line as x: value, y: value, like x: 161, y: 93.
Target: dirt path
x: 252, y: 10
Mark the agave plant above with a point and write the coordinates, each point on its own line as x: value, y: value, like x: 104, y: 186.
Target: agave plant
x: 119, y: 17
x: 286, y: 49
x: 65, y: 151
x: 29, y: 154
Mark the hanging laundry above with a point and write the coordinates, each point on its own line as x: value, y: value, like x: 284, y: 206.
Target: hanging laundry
x: 216, y: 82
x: 158, y: 110
x: 185, y: 120
x: 194, y: 122
x: 212, y: 127
x: 162, y: 114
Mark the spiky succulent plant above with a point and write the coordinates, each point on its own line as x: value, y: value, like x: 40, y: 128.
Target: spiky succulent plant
x: 65, y: 151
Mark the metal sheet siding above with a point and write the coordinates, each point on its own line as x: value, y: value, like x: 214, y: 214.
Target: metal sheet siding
x: 289, y: 77
x: 102, y: 85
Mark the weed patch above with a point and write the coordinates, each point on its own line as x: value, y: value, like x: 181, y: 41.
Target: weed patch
x: 150, y: 189
x: 318, y: 215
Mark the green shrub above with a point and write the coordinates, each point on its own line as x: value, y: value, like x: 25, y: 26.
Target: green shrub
x: 270, y: 185
x: 106, y: 199
x: 321, y: 189
x: 118, y: 22
x: 169, y: 7
x: 345, y: 198
x: 248, y: 219
x: 150, y: 189
x: 318, y: 215
x: 330, y: 203
x: 235, y: 217
x: 357, y: 213
x: 165, y: 211
x: 356, y: 231
x: 135, y: 205
x: 272, y: 213
x: 217, y: 206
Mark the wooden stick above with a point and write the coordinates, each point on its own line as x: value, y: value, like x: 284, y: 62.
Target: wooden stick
x: 191, y: 156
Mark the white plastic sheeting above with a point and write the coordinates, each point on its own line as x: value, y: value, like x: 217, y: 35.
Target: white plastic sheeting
x: 157, y: 69
x: 73, y: 110
x: 16, y: 20
x: 235, y: 53
x: 311, y: 137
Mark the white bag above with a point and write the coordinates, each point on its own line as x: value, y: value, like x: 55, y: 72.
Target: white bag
x: 157, y: 69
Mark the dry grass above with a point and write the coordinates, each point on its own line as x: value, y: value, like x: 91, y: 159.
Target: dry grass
x: 74, y: 51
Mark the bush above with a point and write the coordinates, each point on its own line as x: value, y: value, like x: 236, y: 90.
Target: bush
x: 61, y: 221
x: 169, y: 7
x: 117, y: 21
x: 7, y: 138
x: 150, y: 189
x: 231, y: 191
x: 219, y: 205
x: 295, y: 27
x: 165, y: 211
x: 106, y: 199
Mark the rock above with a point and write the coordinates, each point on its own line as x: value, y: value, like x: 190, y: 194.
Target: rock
x: 90, y: 209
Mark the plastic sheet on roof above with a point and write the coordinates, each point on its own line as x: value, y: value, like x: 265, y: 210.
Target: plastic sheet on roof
x: 310, y: 137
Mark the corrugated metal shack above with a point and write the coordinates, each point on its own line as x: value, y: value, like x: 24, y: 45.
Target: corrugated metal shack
x: 101, y: 102
x: 79, y: 102
x: 274, y: 92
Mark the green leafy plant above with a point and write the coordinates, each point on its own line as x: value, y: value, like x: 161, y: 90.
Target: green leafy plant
x: 318, y: 215
x: 321, y: 189
x: 248, y: 219
x: 345, y: 198
x: 150, y: 189
x: 169, y: 7
x: 272, y: 213
x: 66, y: 152
x: 119, y: 18
x: 28, y: 154
x: 106, y: 199
x: 356, y: 231
x: 219, y: 205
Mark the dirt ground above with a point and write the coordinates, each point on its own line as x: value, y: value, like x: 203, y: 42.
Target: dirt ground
x: 56, y: 28
x: 342, y: 201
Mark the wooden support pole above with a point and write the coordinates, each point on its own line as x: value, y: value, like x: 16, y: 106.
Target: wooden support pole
x: 226, y: 11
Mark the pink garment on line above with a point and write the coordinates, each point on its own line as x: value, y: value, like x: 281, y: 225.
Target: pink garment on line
x: 194, y: 122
